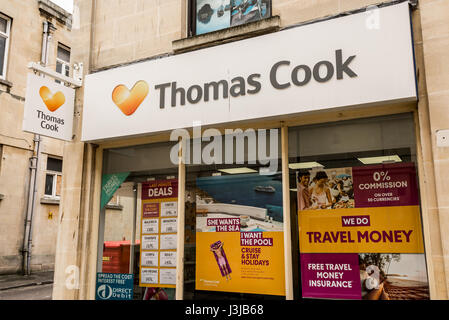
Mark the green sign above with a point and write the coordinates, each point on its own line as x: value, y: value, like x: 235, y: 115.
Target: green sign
x: 109, y: 184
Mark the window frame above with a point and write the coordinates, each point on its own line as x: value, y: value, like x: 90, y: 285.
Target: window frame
x: 55, y: 175
x: 191, y: 19
x: 7, y: 36
x: 63, y: 62
x: 115, y: 201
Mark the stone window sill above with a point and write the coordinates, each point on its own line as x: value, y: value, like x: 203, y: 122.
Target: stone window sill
x: 236, y: 33
x: 49, y: 201
x: 114, y: 207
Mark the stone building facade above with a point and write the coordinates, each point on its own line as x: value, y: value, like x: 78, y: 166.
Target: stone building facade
x: 24, y: 22
x: 114, y: 34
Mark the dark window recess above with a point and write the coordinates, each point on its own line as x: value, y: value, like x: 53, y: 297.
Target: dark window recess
x: 2, y: 53
x: 54, y: 165
x: 49, y: 184
x: 63, y: 53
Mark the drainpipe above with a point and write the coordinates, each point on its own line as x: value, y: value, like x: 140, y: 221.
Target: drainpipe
x: 44, y: 44
x: 93, y: 11
x: 34, y: 160
x: 27, y: 243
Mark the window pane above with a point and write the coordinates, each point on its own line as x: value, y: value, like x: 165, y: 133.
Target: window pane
x: 212, y: 15
x: 234, y: 190
x: 58, y: 67
x: 120, y: 228
x: 248, y: 11
x: 54, y: 164
x: 2, y: 53
x: 63, y: 54
x: 3, y: 25
x: 49, y: 184
x: 338, y: 170
x: 67, y: 71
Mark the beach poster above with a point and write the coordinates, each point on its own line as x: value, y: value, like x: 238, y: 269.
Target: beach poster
x: 239, y: 234
x: 360, y: 233
x: 212, y: 15
x: 245, y: 11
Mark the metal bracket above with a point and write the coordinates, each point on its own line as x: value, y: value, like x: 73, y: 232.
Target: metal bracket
x: 442, y: 137
x: 73, y: 82
x: 413, y: 3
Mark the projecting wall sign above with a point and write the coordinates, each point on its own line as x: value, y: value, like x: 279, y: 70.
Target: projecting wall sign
x: 48, y: 108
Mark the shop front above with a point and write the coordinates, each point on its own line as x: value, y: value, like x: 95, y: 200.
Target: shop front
x: 278, y: 167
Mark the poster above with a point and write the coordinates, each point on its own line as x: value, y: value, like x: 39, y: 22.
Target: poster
x: 149, y: 259
x: 158, y: 234
x: 168, y: 225
x: 114, y: 286
x: 240, y: 240
x: 360, y: 233
x: 245, y: 11
x: 150, y: 226
x: 109, y: 185
x: 212, y: 15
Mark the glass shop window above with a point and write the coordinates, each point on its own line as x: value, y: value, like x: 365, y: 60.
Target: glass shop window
x: 137, y: 235
x: 354, y: 189
x: 212, y: 15
x: 234, y: 217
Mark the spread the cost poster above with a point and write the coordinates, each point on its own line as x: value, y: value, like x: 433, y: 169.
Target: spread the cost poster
x: 360, y: 233
x: 239, y: 238
x: 158, y: 234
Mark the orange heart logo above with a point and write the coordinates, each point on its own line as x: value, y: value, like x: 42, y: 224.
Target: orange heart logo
x: 129, y: 100
x: 52, y: 101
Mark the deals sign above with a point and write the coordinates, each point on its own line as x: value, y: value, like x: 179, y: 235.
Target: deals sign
x: 158, y: 234
x: 360, y: 233
x: 49, y: 108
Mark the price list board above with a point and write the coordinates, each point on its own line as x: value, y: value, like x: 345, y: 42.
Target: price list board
x: 158, y: 234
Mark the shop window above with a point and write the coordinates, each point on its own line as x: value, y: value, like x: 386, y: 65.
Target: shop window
x: 234, y: 218
x: 129, y: 242
x: 5, y: 33
x: 53, y: 178
x: 63, y: 60
x: 235, y: 191
x: 354, y: 187
x: 213, y: 15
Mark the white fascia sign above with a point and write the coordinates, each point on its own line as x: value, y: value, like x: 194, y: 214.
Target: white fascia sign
x: 48, y: 108
x: 341, y: 62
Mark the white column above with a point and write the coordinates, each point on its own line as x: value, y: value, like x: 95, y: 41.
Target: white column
x: 286, y: 212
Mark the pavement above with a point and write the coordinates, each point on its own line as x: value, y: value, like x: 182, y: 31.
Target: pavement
x: 13, y: 281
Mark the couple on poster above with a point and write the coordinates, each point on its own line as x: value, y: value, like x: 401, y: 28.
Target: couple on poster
x: 322, y: 192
